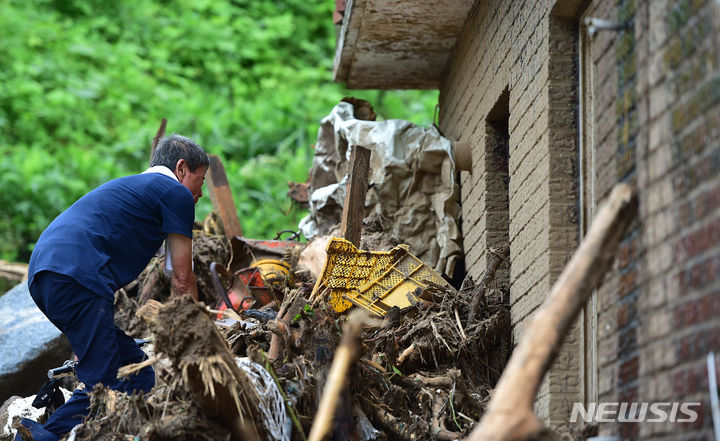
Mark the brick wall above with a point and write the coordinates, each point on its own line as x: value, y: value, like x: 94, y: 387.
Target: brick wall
x: 659, y: 317
x: 655, y: 122
x: 521, y: 48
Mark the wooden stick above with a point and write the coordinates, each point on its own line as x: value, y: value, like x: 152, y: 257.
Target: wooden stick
x: 437, y: 428
x: 354, y: 206
x: 160, y: 133
x: 390, y: 423
x: 496, y: 258
x: 374, y: 365
x: 344, y: 356
x: 150, y: 283
x: 510, y: 412
x: 131, y: 368
x: 405, y: 354
x: 221, y: 197
x: 460, y: 327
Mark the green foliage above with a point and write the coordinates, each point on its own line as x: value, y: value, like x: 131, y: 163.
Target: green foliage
x: 307, y: 313
x: 84, y: 85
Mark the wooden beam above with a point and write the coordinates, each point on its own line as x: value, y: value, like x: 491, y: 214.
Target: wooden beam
x: 160, y: 133
x: 354, y: 206
x: 16, y: 272
x: 221, y: 197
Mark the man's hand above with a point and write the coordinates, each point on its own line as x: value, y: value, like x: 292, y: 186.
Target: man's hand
x: 183, y: 279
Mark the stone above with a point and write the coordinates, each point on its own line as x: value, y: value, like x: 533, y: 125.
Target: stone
x: 30, y: 344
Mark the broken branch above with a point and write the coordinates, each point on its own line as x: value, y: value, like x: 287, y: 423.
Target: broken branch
x: 497, y: 256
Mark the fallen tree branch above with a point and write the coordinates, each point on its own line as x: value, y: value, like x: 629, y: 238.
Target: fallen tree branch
x: 279, y: 344
x: 497, y: 256
x: 438, y: 429
x: 291, y: 409
x: 443, y: 381
x: 510, y: 413
x: 389, y: 422
x: 405, y: 354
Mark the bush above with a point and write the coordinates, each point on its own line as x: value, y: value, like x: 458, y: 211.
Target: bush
x: 85, y: 84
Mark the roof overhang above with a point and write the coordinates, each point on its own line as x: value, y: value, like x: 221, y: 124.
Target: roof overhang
x: 397, y: 44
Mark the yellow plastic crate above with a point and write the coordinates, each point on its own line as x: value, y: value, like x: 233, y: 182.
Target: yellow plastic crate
x: 346, y: 268
x: 396, y: 285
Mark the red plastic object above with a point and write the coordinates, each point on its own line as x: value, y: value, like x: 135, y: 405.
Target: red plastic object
x: 248, y: 288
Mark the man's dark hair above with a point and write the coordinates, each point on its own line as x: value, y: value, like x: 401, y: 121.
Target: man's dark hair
x: 173, y: 148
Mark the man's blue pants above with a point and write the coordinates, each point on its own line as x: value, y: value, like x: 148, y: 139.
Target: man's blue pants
x: 87, y: 320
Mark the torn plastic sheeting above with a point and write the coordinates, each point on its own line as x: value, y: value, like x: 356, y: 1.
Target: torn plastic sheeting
x: 326, y: 204
x: 412, y: 182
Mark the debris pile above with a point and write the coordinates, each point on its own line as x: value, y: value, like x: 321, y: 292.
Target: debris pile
x: 294, y: 341
x: 422, y: 372
x: 417, y: 365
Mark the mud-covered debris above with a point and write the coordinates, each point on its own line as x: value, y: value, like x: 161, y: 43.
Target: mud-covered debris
x: 198, y: 352
x: 424, y: 372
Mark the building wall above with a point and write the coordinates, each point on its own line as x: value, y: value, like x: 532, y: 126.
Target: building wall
x: 652, y: 102
x: 520, y: 47
x: 658, y: 316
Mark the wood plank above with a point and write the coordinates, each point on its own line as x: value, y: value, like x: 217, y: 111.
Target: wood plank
x: 221, y: 197
x: 354, y: 206
x: 160, y: 133
x: 12, y: 271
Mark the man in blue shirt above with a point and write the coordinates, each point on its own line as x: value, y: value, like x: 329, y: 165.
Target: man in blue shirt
x: 102, y: 243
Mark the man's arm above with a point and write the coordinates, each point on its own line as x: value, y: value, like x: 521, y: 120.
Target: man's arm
x: 183, y: 278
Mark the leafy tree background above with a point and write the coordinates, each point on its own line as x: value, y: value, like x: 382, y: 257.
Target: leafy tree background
x: 84, y: 85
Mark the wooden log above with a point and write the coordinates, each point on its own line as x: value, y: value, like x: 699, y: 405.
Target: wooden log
x: 16, y: 272
x: 198, y: 352
x: 510, y: 413
x: 222, y: 199
x: 354, y: 206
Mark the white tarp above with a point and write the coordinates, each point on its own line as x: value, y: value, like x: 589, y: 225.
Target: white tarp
x: 412, y: 183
